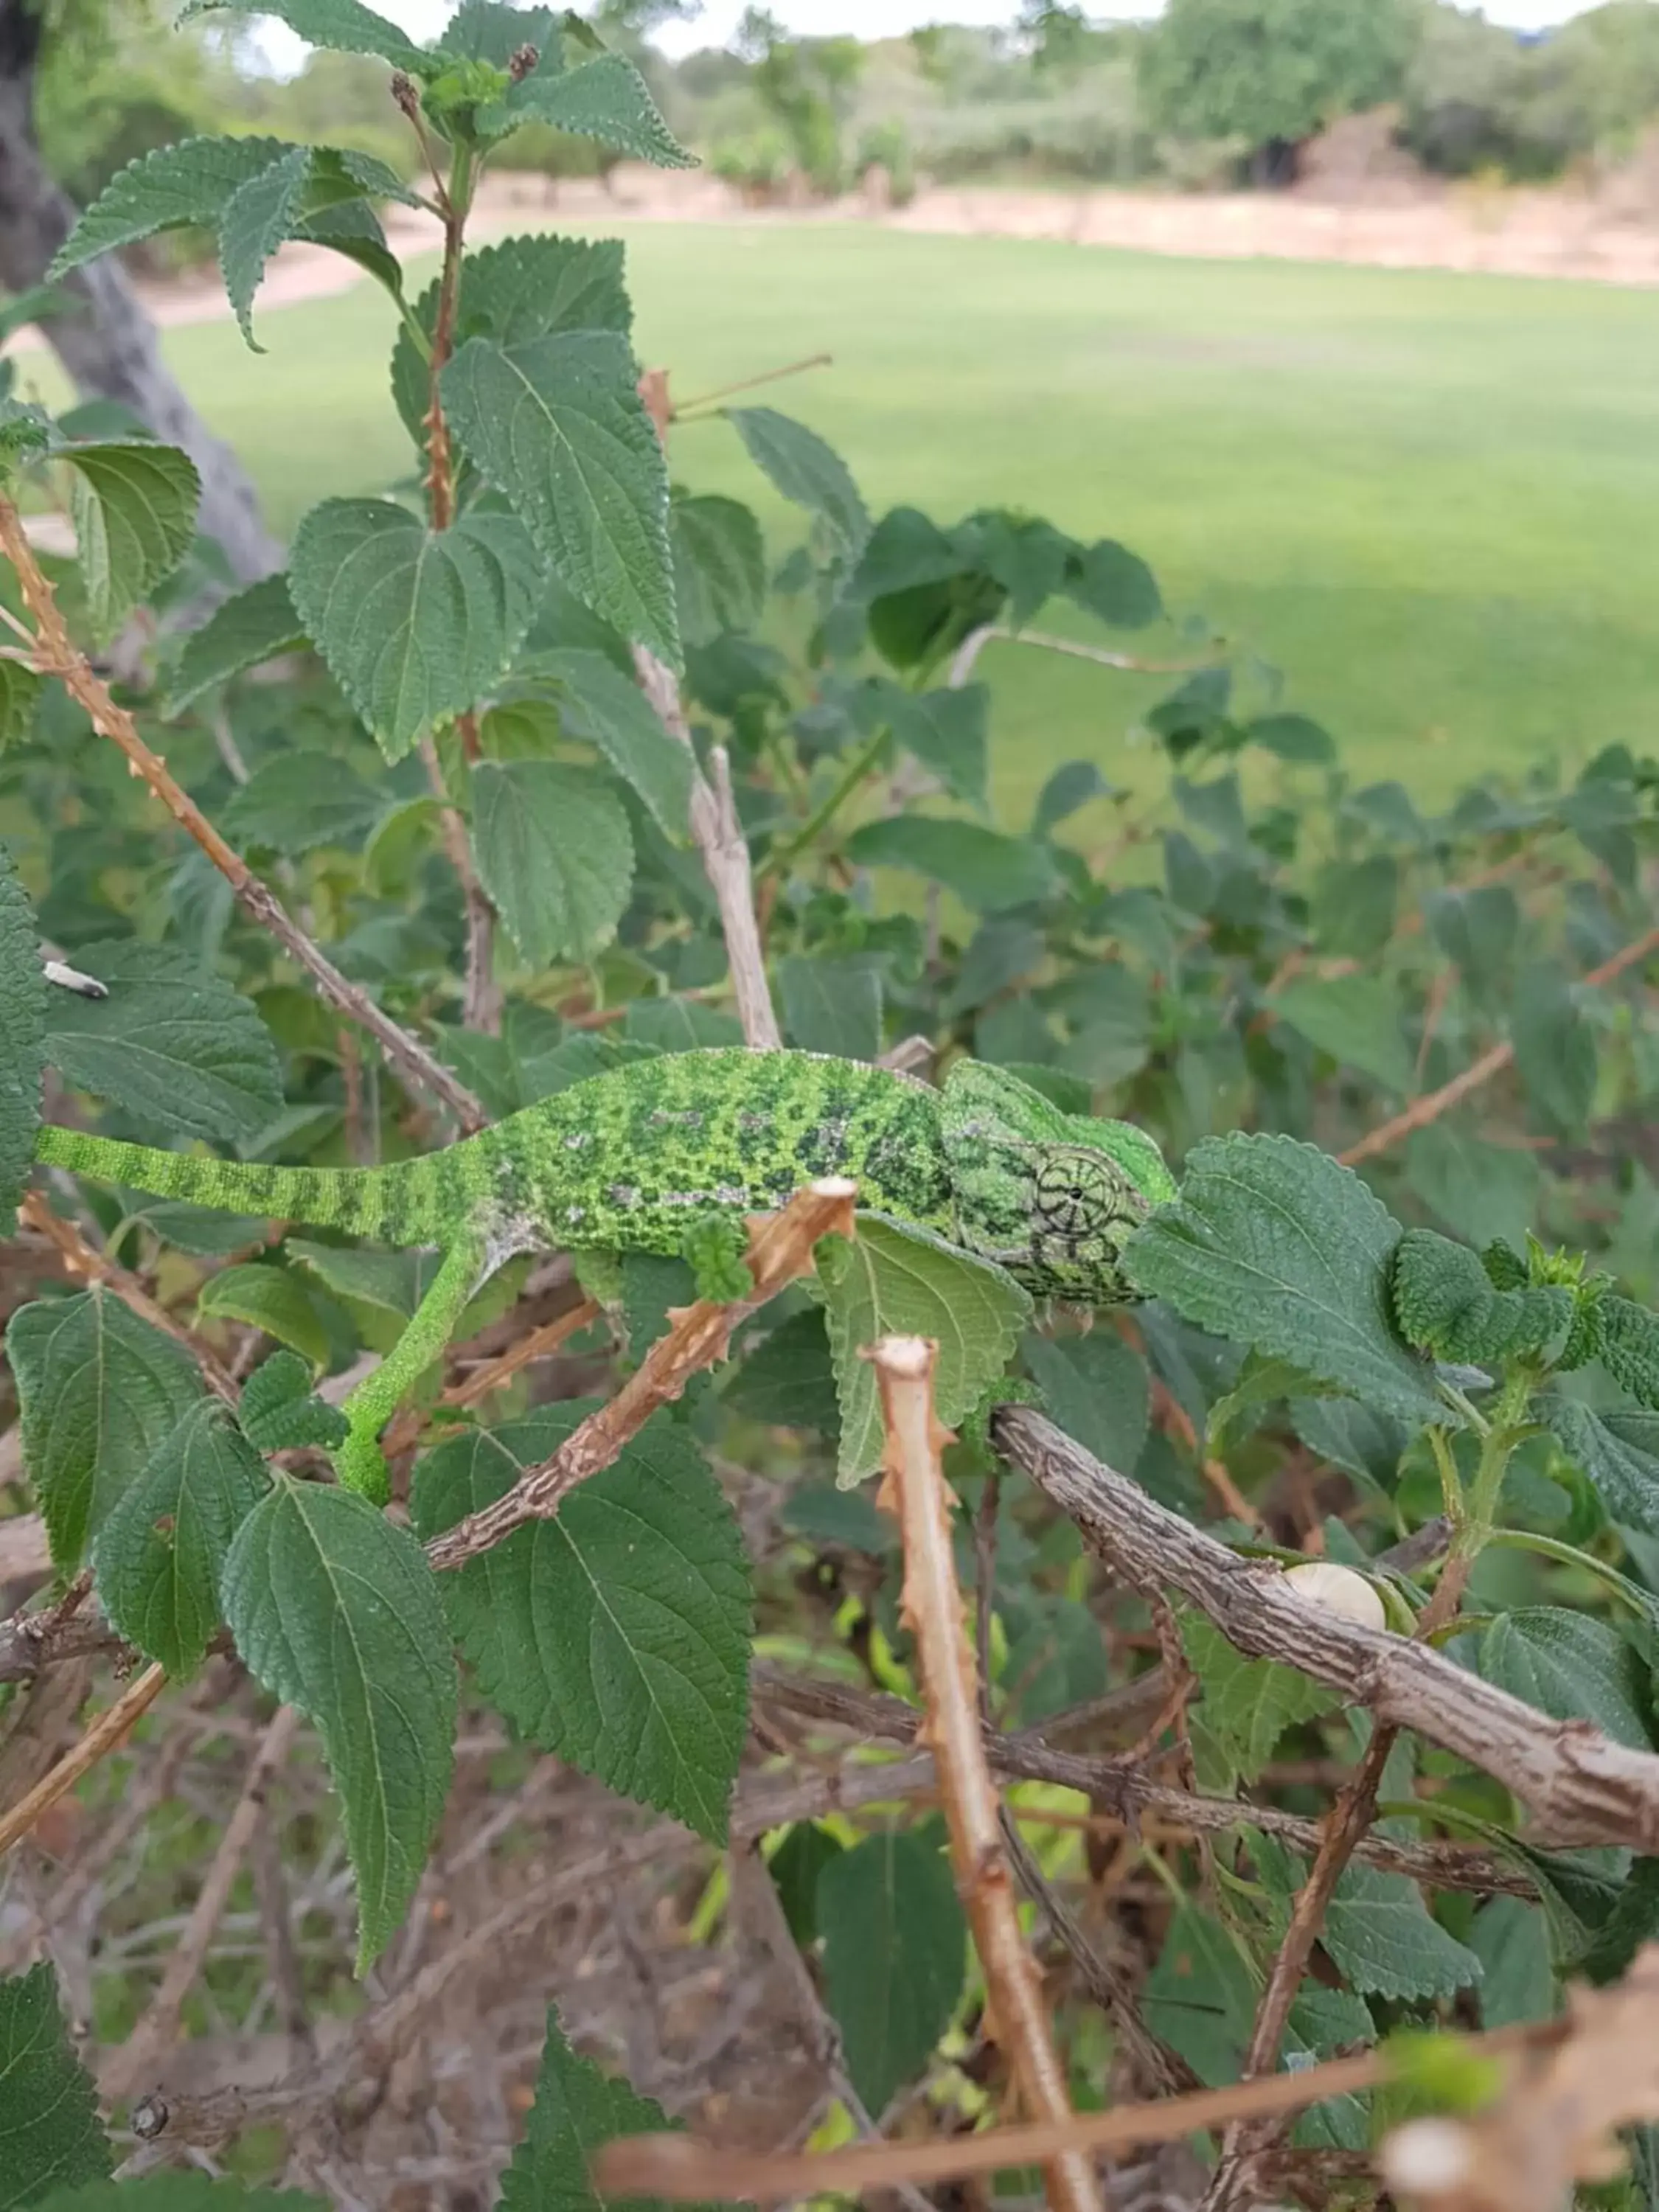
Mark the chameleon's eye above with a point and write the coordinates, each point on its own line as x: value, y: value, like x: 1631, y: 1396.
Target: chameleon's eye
x: 1083, y: 1196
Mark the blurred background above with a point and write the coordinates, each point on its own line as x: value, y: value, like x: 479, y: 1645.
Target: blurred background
x: 1340, y: 311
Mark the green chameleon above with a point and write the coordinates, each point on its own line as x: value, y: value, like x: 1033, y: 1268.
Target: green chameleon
x: 667, y: 1155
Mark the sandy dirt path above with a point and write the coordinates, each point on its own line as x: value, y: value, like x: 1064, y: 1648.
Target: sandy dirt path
x: 1523, y: 233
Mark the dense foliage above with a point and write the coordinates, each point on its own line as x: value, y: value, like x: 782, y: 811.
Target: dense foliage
x: 430, y: 735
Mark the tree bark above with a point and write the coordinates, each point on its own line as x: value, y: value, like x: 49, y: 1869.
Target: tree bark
x: 104, y: 340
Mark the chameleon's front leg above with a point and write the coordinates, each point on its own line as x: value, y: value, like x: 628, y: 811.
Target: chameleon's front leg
x: 359, y: 1461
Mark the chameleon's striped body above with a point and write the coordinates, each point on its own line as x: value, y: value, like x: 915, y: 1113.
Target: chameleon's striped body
x: 625, y: 1160
x: 642, y: 1157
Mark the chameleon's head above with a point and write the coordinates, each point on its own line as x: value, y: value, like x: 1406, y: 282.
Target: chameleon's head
x: 1051, y: 1197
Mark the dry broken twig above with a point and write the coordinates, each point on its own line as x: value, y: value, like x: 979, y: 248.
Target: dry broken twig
x: 914, y: 1485
x: 780, y: 1247
x: 105, y: 1732
x: 1580, y: 1788
x: 1493, y: 1061
x: 687, y: 2170
x: 56, y: 655
x: 1555, y: 2122
x: 84, y: 1259
x: 159, y: 2027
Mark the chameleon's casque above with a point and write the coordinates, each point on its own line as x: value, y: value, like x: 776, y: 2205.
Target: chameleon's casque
x: 631, y: 1160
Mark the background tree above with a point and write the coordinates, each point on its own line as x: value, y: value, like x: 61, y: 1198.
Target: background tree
x: 1272, y: 73
x: 103, y: 337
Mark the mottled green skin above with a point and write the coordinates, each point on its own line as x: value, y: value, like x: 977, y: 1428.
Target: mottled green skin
x: 631, y: 1160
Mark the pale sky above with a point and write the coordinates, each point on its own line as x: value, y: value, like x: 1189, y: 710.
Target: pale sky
x: 867, y: 19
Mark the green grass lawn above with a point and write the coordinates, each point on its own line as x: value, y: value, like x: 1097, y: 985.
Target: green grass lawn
x: 1430, y: 500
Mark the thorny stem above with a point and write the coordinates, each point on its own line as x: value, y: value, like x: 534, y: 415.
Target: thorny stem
x: 914, y: 1487
x: 57, y: 655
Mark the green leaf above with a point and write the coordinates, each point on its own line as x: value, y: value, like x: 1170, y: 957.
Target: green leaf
x: 831, y: 1005
x: 1072, y: 784
x: 22, y: 1041
x: 577, y: 2109
x: 344, y: 25
x: 298, y: 801
x: 180, y: 2190
x: 894, y: 1956
x: 256, y: 625
x: 948, y: 731
x: 1199, y: 1997
x: 1445, y: 1300
x: 252, y: 224
x: 1097, y: 1390
x: 1249, y: 1703
x: 807, y: 472
x: 1262, y: 1383
x: 1554, y: 1049
x: 557, y: 425
x: 1476, y: 930
x: 159, y: 1554
x: 271, y: 1299
x: 618, y: 718
x: 97, y: 1389
x: 1628, y: 1345
x: 1115, y: 585
x: 1510, y: 1938
x: 1384, y: 1943
x: 51, y: 2136
x: 986, y: 870
x: 278, y: 1412
x: 795, y: 1868
x: 172, y: 1044
x: 893, y: 1281
x: 1619, y: 1453
x: 187, y: 183
x: 555, y: 854
x: 720, y: 566
x: 1354, y: 904
x: 1479, y: 1191
x: 21, y: 690
x: 1356, y: 1021
x: 1273, y: 1245
x: 1571, y: 1667
x: 605, y: 99
x: 415, y: 625
x: 521, y: 288
x: 617, y: 1634
x: 336, y: 1611
x: 1292, y: 738
x: 789, y: 1382
x: 134, y: 507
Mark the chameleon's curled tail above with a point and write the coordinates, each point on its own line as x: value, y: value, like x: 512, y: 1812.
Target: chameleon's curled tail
x: 400, y: 1204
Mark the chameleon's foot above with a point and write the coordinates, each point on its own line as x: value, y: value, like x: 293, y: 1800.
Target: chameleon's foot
x: 976, y: 1430
x: 361, y: 1465
x: 716, y: 1249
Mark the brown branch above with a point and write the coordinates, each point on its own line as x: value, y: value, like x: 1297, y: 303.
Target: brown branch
x: 1128, y: 1794
x: 31, y: 1642
x: 680, y: 2167
x: 749, y: 383
x: 1580, y: 1788
x: 57, y: 655
x: 1493, y: 1061
x: 105, y: 1732
x: 491, y: 1374
x: 159, y: 2027
x: 1350, y: 1815
x: 780, y: 1247
x: 1162, y: 2070
x: 82, y: 1259
x: 913, y: 1485
x: 715, y: 829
